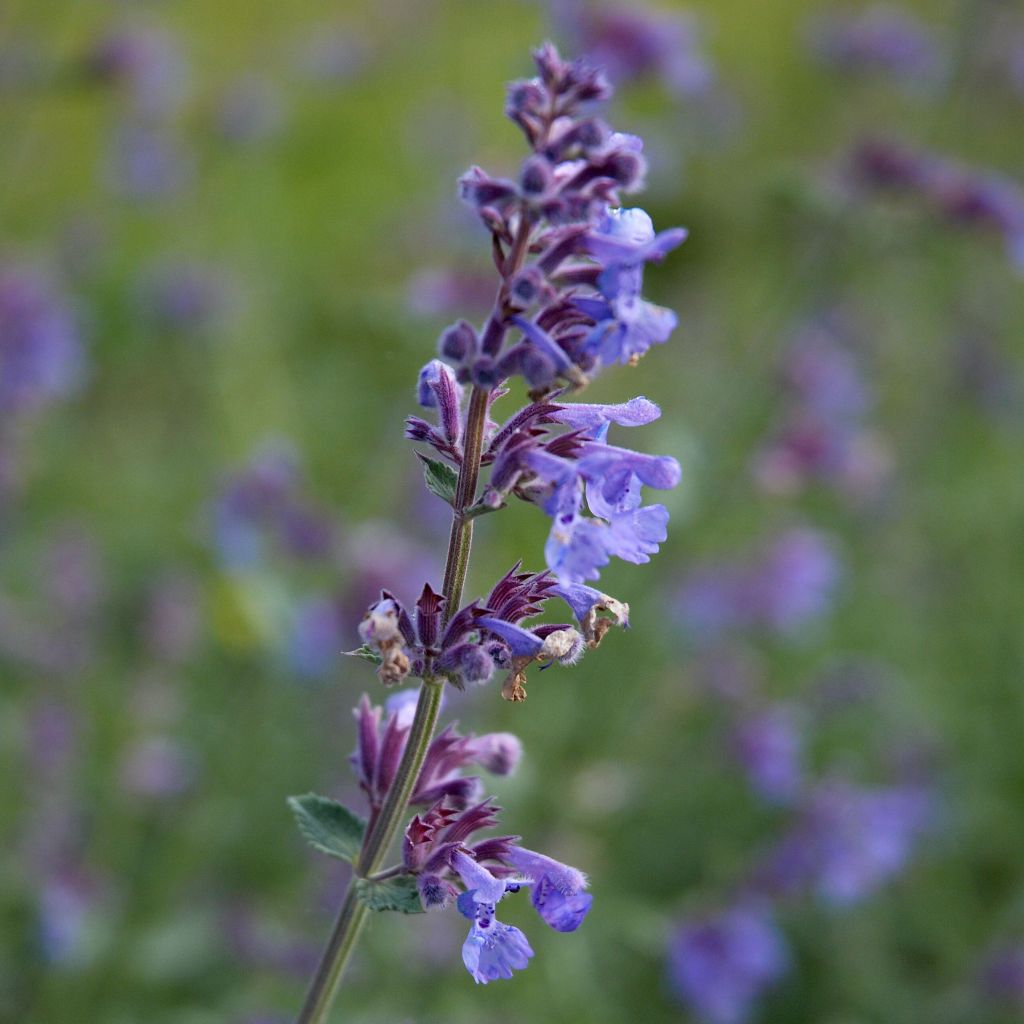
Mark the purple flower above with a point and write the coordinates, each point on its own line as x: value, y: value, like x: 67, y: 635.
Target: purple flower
x: 264, y: 502
x: 316, y: 637
x: 492, y: 950
x: 249, y: 112
x: 880, y: 38
x: 558, y: 890
x: 145, y: 63
x: 626, y: 325
x: 795, y: 580
x: 769, y: 746
x: 41, y: 356
x: 158, y: 767
x: 633, y: 42
x: 721, y: 964
x: 577, y: 304
x: 66, y: 901
x: 147, y: 162
x: 579, y: 546
x: 785, y: 586
x: 593, y: 419
x: 849, y: 840
x: 863, y: 837
x: 1002, y: 976
x: 185, y: 297
x: 381, y: 740
x: 963, y: 196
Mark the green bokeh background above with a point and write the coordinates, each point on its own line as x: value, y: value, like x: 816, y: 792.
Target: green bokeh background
x: 321, y: 229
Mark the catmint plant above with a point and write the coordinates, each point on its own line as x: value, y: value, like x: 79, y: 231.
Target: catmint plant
x: 570, y: 261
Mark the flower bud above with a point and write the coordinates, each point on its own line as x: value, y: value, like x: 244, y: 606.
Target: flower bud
x: 457, y: 342
x: 536, y: 177
x: 484, y: 372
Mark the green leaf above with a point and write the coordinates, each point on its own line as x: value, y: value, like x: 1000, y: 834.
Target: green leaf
x: 366, y: 653
x: 398, y: 893
x: 440, y: 478
x: 480, y: 509
x: 328, y: 826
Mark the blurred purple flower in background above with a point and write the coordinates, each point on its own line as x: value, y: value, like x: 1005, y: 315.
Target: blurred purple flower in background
x: 185, y: 296
x: 147, y: 162
x: 319, y: 631
x: 720, y: 965
x: 262, y: 509
x: 768, y: 745
x: 877, y: 39
x: 66, y: 900
x: 786, y: 584
x: 443, y: 293
x: 849, y: 840
x: 144, y: 63
x: 632, y: 42
x: 824, y: 435
x: 961, y: 195
x: 250, y: 111
x: 157, y: 767
x: 331, y: 55
x: 263, y: 945
x: 41, y: 353
x: 173, y: 616
x: 1001, y: 977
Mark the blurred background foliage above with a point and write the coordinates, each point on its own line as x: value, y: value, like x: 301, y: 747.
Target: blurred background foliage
x: 229, y: 240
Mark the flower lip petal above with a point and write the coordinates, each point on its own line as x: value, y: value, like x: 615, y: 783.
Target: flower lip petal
x: 522, y: 642
x: 581, y: 416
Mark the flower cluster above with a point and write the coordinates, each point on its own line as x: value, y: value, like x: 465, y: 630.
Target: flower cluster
x: 485, y: 636
x: 571, y: 259
x: 569, y: 304
x: 442, y: 849
x: 558, y: 470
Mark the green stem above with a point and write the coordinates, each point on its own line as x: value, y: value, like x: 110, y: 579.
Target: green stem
x: 387, y: 822
x: 460, y: 540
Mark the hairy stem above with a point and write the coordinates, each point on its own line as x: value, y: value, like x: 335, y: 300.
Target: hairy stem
x: 386, y: 823
x: 460, y: 539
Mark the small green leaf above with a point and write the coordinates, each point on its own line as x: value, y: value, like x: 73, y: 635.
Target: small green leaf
x: 328, y: 826
x: 440, y: 478
x: 366, y: 653
x: 480, y: 509
x: 399, y: 893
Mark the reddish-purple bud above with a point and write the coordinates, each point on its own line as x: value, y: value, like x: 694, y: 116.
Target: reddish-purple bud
x: 435, y: 892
